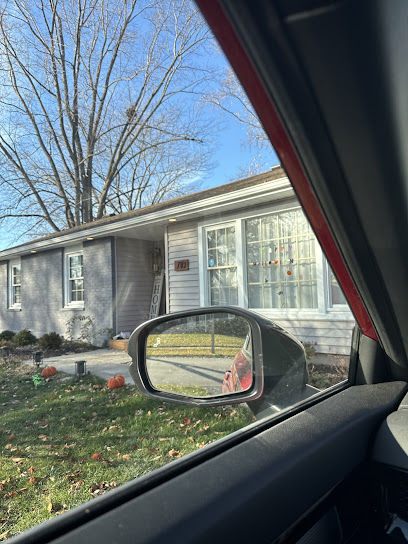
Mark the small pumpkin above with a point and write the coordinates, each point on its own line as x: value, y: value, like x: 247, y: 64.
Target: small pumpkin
x: 116, y: 381
x: 120, y: 378
x: 49, y: 371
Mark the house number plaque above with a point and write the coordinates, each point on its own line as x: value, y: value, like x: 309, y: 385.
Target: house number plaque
x: 181, y: 266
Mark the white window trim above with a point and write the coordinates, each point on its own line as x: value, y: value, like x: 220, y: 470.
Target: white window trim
x: 11, y: 305
x: 67, y: 292
x: 324, y: 310
x: 205, y: 296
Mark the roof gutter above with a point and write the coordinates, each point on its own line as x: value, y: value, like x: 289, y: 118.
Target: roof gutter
x: 278, y: 189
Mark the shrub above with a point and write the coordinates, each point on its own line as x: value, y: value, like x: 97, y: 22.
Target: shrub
x: 24, y: 338
x: 51, y: 340
x: 7, y: 335
x: 310, y: 349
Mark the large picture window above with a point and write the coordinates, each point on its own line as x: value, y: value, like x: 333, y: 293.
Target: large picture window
x: 281, y: 262
x: 74, y: 279
x: 222, y: 266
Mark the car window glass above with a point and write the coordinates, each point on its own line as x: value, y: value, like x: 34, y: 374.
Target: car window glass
x: 136, y: 181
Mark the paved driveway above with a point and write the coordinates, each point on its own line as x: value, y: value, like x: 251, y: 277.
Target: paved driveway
x: 102, y: 362
x: 208, y: 373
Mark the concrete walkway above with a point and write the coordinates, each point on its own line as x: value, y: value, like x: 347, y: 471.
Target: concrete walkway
x: 104, y: 363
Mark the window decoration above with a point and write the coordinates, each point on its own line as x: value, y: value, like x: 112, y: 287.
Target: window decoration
x: 281, y: 262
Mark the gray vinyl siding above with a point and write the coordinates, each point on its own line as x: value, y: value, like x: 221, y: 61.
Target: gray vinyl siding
x: 134, y: 282
x: 184, y: 287
x: 332, y: 336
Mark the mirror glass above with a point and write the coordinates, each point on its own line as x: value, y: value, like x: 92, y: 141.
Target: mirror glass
x: 201, y: 356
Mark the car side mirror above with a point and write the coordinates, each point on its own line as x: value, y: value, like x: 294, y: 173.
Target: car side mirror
x: 217, y: 356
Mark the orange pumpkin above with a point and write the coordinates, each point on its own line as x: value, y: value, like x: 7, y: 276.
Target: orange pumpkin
x: 120, y: 378
x: 49, y: 371
x: 116, y: 382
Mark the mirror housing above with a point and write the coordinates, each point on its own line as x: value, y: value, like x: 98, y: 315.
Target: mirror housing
x: 279, y: 373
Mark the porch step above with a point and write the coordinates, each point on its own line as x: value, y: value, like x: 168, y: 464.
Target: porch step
x: 118, y: 344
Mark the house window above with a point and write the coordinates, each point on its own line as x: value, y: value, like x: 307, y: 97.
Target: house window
x: 336, y: 297
x: 222, y: 266
x: 15, y: 285
x: 74, y: 279
x: 281, y: 262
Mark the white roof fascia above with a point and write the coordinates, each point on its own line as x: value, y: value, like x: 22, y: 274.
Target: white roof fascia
x: 278, y: 189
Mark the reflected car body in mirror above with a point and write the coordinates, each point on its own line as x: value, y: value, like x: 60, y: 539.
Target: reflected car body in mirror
x: 239, y: 376
x: 268, y: 371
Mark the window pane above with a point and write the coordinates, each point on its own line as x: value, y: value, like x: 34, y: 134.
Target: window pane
x: 231, y: 257
x: 288, y: 296
x: 17, y: 295
x: 267, y: 295
x: 303, y: 226
x: 212, y: 258
x: 222, y: 256
x: 337, y: 296
x: 306, y: 247
x: 77, y: 290
x: 16, y: 273
x: 211, y: 239
x: 221, y: 238
x: 287, y: 224
x: 252, y: 226
x: 75, y: 266
x: 215, y: 278
x: 285, y: 260
x: 254, y: 274
x: 221, y: 251
x: 270, y: 227
x: 255, y: 296
x: 308, y: 294
x: 254, y: 254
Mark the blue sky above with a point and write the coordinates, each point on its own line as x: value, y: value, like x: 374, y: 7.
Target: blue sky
x: 232, y: 155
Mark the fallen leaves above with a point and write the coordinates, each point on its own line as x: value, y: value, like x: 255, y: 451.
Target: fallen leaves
x: 17, y: 460
x: 100, y: 489
x: 175, y: 454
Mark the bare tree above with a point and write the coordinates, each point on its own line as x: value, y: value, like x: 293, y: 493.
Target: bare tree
x: 99, y: 107
x: 231, y: 99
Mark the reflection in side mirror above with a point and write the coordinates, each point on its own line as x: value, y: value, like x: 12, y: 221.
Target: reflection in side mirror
x: 203, y: 356
x: 217, y: 356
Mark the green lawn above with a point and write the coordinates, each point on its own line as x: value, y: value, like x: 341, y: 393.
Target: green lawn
x: 49, y: 433
x: 196, y: 340
x: 198, y: 345
x: 192, y: 351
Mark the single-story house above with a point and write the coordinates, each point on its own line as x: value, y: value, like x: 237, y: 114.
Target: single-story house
x: 246, y: 243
